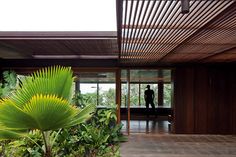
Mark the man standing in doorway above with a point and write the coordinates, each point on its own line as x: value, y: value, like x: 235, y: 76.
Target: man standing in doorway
x: 149, y: 97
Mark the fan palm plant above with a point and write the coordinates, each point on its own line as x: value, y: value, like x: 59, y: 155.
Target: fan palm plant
x: 44, y: 103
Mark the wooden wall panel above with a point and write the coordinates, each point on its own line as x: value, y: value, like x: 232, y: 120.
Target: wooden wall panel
x: 204, y: 100
x: 212, y: 116
x: 232, y: 101
x: 183, y: 98
x: 223, y: 101
x: 201, y: 85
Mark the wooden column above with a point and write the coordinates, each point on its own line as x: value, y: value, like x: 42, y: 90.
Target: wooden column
x: 118, y: 94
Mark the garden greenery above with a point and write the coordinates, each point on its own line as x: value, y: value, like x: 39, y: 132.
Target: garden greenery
x: 98, y: 137
x: 40, y: 120
x: 43, y: 103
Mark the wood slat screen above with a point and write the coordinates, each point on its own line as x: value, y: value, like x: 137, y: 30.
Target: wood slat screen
x: 216, y: 38
x: 156, y: 31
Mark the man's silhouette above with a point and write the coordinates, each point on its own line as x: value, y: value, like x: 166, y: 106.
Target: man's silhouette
x: 149, y: 97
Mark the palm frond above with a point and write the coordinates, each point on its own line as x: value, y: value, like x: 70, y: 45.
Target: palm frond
x: 42, y: 102
x: 55, y: 80
x: 7, y: 134
x: 83, y: 115
x: 13, y: 117
x: 49, y: 112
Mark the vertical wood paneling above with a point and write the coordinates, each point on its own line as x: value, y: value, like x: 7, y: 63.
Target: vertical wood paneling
x: 213, y: 107
x: 232, y: 101
x: 204, y: 100
x: 201, y: 85
x: 183, y: 96
x: 223, y: 102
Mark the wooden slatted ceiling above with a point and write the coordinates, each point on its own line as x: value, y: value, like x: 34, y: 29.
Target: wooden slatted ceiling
x: 151, y: 29
x: 227, y: 56
x: 216, y: 38
x: 64, y: 47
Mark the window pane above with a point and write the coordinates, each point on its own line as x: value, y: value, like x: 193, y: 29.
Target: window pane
x: 89, y: 92
x: 106, y: 94
x: 124, y: 88
x: 134, y: 95
x: 123, y: 94
x: 167, y: 95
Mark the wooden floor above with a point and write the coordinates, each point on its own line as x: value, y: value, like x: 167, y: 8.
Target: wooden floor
x: 151, y: 125
x: 169, y: 145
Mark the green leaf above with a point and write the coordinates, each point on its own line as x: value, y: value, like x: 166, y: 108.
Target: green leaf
x: 55, y: 80
x: 83, y: 115
x: 6, y: 134
x: 13, y: 117
x: 50, y: 112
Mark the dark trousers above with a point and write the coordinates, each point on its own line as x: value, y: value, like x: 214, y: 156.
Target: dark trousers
x: 147, y: 106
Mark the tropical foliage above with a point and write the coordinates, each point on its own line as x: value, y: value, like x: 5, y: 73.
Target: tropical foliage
x: 8, y: 83
x: 43, y: 103
x: 98, y: 137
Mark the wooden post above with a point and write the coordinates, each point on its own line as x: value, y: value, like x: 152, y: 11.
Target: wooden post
x: 118, y: 94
